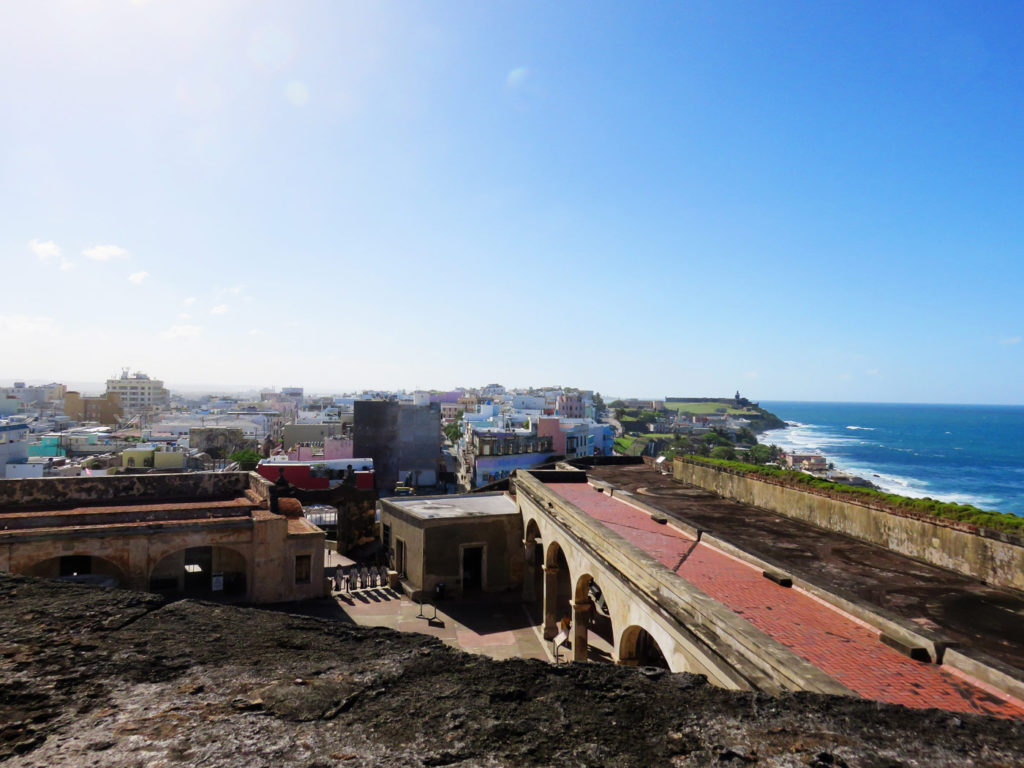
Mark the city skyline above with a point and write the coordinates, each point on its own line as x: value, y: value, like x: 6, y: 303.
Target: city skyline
x: 802, y: 203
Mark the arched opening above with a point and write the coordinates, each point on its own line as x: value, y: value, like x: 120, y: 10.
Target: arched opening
x: 207, y: 572
x: 593, y: 636
x: 638, y: 648
x: 533, y: 553
x: 557, y: 591
x: 84, y: 569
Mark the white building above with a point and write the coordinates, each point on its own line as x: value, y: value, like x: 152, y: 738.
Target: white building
x: 13, y: 446
x: 139, y: 393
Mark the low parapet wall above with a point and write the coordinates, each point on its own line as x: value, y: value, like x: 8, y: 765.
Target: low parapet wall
x: 990, y: 556
x: 63, y: 492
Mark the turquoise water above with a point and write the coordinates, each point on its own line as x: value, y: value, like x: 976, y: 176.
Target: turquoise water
x: 972, y: 454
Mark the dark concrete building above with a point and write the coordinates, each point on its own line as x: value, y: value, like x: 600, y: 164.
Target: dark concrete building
x: 404, y: 441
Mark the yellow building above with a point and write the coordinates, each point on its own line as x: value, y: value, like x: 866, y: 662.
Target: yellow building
x: 153, y: 457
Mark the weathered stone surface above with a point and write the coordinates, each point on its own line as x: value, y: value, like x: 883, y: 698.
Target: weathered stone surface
x: 99, y: 677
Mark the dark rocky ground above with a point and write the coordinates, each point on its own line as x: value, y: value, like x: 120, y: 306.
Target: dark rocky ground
x: 90, y: 676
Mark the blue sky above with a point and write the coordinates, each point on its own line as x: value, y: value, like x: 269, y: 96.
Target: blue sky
x: 800, y: 201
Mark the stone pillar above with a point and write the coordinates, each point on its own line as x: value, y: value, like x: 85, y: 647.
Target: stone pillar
x: 139, y: 566
x: 550, y: 602
x: 580, y: 629
x: 529, y: 571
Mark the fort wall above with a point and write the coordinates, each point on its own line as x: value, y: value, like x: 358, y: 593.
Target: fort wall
x: 990, y: 556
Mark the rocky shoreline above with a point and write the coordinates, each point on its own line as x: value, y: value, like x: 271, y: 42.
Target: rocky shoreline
x: 91, y: 676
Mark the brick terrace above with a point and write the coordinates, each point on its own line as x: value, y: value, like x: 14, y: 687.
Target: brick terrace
x: 841, y: 647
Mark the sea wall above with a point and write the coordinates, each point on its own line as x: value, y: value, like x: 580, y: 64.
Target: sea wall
x: 991, y: 556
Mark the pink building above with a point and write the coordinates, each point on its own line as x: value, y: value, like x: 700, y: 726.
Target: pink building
x: 331, y: 449
x: 569, y: 406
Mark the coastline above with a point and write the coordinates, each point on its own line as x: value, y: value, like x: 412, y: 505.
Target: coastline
x: 963, y: 455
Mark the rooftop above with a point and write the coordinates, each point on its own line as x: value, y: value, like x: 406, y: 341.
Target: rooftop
x: 451, y: 507
x: 834, y: 642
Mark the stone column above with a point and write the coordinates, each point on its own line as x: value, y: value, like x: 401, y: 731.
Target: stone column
x: 138, y: 568
x: 550, y: 602
x: 529, y: 571
x: 580, y: 629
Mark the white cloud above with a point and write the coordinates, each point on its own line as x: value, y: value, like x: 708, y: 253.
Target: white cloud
x: 517, y: 77
x: 871, y: 371
x: 220, y: 309
x: 138, y: 277
x: 28, y: 325
x: 44, y: 250
x: 237, y: 289
x: 66, y: 266
x: 182, y: 332
x: 190, y: 300
x: 297, y: 93
x: 1010, y: 340
x: 105, y: 252
x: 184, y: 316
x: 255, y: 332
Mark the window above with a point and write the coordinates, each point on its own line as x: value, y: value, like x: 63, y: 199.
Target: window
x: 303, y: 568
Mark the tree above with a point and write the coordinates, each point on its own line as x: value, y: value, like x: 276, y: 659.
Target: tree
x: 759, y: 454
x: 247, y: 459
x: 724, y: 452
x: 453, y: 431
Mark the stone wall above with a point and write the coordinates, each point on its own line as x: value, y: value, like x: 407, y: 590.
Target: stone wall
x: 991, y: 556
x: 62, y: 492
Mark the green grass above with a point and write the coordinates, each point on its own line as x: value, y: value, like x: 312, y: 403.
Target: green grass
x: 657, y: 436
x: 965, y: 513
x: 623, y: 444
x: 705, y: 409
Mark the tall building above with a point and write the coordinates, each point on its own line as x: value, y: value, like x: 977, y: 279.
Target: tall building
x: 106, y: 409
x: 139, y: 394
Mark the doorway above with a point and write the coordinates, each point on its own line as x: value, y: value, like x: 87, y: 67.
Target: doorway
x: 472, y: 569
x: 198, y: 567
x: 400, y: 557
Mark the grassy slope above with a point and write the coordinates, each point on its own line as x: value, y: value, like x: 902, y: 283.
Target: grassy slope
x: 966, y: 513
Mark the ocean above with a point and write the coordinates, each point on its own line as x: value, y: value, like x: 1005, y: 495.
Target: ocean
x: 971, y: 454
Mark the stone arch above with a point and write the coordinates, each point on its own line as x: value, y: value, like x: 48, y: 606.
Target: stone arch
x: 79, y: 566
x: 192, y: 570
x: 637, y: 647
x: 593, y: 634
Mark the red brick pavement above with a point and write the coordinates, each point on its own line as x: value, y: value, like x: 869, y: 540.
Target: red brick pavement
x: 841, y: 647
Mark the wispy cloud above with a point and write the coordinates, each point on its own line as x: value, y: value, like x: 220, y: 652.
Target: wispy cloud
x: 1010, y: 340
x: 138, y: 277
x: 220, y: 309
x: 190, y: 300
x: 182, y: 332
x: 871, y: 371
x: 516, y: 78
x: 255, y: 332
x: 28, y: 325
x: 44, y: 249
x: 184, y: 316
x: 105, y: 252
x: 297, y: 93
